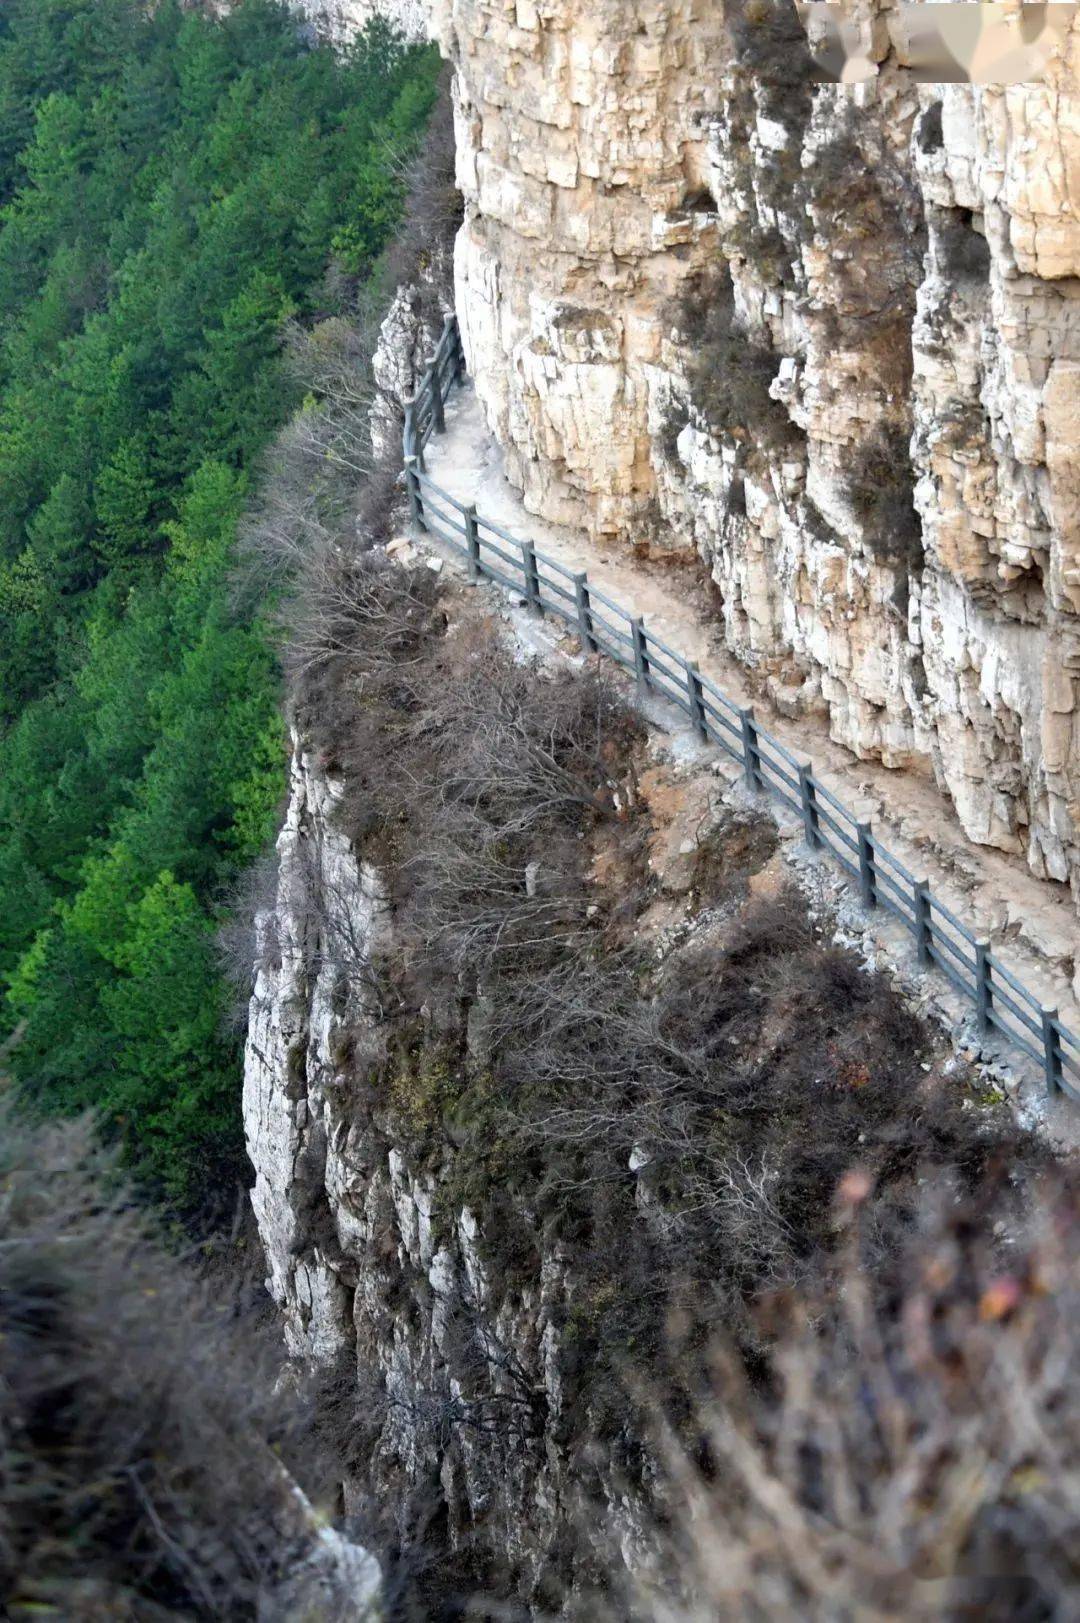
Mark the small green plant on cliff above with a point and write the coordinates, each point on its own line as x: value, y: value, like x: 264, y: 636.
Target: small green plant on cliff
x: 423, y: 1088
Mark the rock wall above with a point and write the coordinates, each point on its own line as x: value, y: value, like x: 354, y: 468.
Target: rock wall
x: 891, y: 507
x: 582, y: 147
x: 341, y: 19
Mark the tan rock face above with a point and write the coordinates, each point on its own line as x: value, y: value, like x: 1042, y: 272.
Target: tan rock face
x: 581, y: 152
x: 341, y: 19
x: 906, y: 551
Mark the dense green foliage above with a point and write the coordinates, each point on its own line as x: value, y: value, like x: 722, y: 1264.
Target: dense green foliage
x: 172, y: 189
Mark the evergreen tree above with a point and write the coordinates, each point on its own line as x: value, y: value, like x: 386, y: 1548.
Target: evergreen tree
x: 172, y: 189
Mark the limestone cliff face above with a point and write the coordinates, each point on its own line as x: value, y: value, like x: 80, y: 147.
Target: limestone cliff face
x: 582, y: 153
x: 460, y: 1407
x: 341, y: 19
x: 890, y: 506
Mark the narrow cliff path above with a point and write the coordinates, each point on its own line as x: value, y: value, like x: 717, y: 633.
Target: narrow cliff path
x: 1030, y: 921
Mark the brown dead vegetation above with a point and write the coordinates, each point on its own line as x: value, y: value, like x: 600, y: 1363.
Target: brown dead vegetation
x: 747, y: 1073
x: 730, y: 369
x: 913, y: 1452
x: 141, y: 1429
x: 676, y: 1125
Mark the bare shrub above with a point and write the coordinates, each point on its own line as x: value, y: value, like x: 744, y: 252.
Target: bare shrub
x: 139, y: 1422
x: 746, y: 1080
x: 930, y: 135
x: 915, y: 1450
x: 675, y: 418
x: 763, y: 247
x: 738, y: 845
x: 523, y: 764
x: 421, y: 252
x: 249, y: 939
x: 730, y: 370
x: 770, y: 44
x: 467, y: 779
x: 509, y: 770
x: 360, y: 619
x: 964, y: 251
x: 838, y: 169
x: 882, y: 485
x: 776, y: 73
x: 324, y: 492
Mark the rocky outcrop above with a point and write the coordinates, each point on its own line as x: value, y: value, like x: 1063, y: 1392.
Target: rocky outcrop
x: 329, y: 1579
x: 323, y: 923
x: 341, y: 19
x: 891, y: 507
x: 461, y: 1409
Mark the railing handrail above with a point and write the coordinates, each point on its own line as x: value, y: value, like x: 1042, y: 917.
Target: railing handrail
x: 883, y: 880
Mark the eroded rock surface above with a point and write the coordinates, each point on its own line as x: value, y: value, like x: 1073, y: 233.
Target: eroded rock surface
x: 341, y: 19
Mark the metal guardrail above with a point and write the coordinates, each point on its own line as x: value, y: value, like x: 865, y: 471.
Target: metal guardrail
x: 1002, y: 1003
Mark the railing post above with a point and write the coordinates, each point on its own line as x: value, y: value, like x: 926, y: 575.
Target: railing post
x: 697, y: 703
x: 412, y: 485
x: 459, y: 351
x: 584, y: 614
x: 867, y: 876
x: 409, y: 431
x: 984, y: 991
x: 1051, y: 1050
x: 532, y: 576
x: 641, y: 653
x: 472, y: 544
x: 438, y: 412
x: 751, y: 751
x: 808, y: 800
x: 920, y: 895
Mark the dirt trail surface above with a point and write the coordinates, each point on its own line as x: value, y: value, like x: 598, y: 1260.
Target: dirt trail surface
x: 1031, y: 922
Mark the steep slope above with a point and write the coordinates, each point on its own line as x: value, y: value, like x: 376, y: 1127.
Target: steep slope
x: 536, y: 1102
